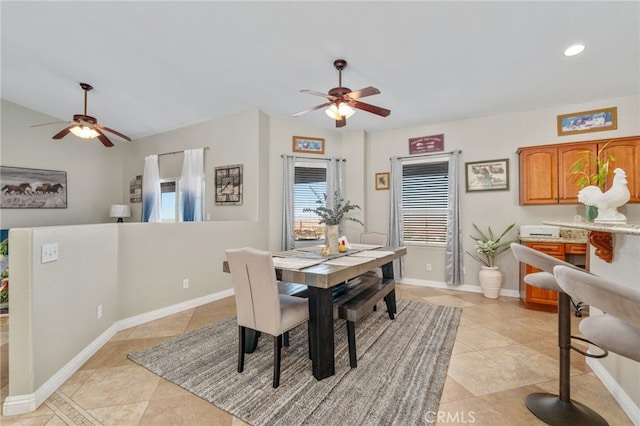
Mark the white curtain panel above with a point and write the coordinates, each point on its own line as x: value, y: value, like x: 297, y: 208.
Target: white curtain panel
x: 151, y: 190
x: 288, y: 173
x: 335, y: 172
x: 395, y: 212
x: 453, y: 253
x: 192, y: 185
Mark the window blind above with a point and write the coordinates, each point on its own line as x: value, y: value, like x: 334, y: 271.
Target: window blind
x: 424, y: 202
x: 309, y: 184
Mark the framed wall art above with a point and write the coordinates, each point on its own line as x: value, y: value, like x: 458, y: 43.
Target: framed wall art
x: 308, y: 145
x: 382, y: 180
x: 229, y: 185
x: 487, y: 175
x: 595, y: 120
x: 23, y: 188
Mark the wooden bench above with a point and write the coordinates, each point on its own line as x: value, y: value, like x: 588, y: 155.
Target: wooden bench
x: 363, y: 294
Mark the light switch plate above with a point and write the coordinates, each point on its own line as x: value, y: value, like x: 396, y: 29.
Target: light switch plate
x: 49, y: 253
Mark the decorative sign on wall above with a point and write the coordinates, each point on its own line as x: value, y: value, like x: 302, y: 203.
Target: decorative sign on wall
x: 32, y: 188
x: 135, y: 189
x: 424, y: 144
x: 229, y: 185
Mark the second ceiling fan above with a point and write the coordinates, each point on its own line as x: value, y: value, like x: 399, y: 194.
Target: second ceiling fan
x: 342, y: 100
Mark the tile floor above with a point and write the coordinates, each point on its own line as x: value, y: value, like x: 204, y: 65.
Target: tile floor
x: 502, y: 353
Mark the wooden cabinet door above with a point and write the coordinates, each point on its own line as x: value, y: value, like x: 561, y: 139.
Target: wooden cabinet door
x: 538, y: 175
x: 538, y: 298
x: 568, y: 154
x: 627, y: 157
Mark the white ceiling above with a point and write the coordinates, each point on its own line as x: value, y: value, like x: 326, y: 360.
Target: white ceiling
x: 157, y: 66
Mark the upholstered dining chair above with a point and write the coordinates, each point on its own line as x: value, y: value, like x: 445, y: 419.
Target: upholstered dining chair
x: 259, y: 304
x: 618, y: 328
x: 375, y: 238
x: 556, y: 409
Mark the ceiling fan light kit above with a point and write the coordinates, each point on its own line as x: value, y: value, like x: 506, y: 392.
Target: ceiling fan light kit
x: 85, y: 126
x: 343, y: 100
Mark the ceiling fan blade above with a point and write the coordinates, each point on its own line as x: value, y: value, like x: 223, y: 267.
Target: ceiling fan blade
x: 326, y: 104
x: 105, y: 140
x: 46, y: 124
x: 315, y: 92
x: 367, y: 91
x: 342, y: 122
x: 123, y: 136
x: 62, y: 133
x: 370, y: 108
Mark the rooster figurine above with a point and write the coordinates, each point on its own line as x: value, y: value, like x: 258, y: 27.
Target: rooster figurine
x: 607, y: 202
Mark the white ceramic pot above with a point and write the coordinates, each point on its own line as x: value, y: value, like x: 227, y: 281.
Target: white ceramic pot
x: 331, y: 238
x: 491, y: 281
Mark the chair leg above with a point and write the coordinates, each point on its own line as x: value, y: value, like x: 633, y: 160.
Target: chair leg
x: 560, y: 409
x: 285, y: 338
x: 309, y: 340
x: 277, y: 352
x: 351, y: 338
x: 241, y: 335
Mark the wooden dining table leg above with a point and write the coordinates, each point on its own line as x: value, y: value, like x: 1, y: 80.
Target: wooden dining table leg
x: 321, y: 332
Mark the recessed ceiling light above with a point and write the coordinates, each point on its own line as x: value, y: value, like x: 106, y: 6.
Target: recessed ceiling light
x: 574, y: 50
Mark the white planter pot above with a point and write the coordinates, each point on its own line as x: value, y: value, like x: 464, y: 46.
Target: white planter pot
x: 331, y: 236
x: 491, y: 281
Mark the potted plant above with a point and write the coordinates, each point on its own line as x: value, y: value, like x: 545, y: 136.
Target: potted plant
x: 581, y: 168
x: 488, y: 248
x: 333, y: 217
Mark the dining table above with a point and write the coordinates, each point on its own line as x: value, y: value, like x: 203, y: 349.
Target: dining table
x: 322, y: 274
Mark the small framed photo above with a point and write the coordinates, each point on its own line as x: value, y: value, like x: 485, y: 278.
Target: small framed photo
x: 308, y: 145
x: 487, y: 175
x: 588, y: 121
x: 382, y: 180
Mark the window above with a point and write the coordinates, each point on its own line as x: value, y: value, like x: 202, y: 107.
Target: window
x: 310, y: 181
x: 170, y: 200
x: 424, y: 202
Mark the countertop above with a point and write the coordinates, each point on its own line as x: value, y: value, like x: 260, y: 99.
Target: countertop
x: 567, y: 236
x: 614, y: 228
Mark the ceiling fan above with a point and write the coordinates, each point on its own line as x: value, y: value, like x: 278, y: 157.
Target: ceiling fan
x: 342, y: 100
x: 85, y: 126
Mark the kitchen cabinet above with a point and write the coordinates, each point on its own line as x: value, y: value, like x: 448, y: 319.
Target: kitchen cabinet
x: 547, y: 300
x: 627, y: 155
x: 545, y: 170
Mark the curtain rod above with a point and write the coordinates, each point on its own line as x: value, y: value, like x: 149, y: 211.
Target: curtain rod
x: 433, y: 154
x: 179, y: 152
x: 313, y: 158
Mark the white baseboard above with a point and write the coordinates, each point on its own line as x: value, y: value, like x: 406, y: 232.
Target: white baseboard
x: 22, y: 404
x: 463, y: 287
x: 630, y: 408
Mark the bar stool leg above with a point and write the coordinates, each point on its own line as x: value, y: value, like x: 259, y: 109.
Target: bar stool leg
x: 560, y: 409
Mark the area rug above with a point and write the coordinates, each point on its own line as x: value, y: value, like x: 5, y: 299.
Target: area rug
x: 402, y: 366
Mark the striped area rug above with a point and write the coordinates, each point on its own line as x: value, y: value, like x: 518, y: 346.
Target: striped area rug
x: 402, y: 366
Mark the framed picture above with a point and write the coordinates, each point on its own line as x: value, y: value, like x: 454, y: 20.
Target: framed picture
x: 382, y: 180
x: 487, y: 175
x: 22, y: 188
x: 588, y: 121
x: 229, y: 185
x: 308, y: 145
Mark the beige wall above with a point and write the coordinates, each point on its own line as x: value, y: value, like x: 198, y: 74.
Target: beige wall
x: 94, y: 173
x: 488, y: 138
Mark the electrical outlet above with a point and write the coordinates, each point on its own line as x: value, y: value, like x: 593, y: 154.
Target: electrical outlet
x: 185, y: 283
x: 99, y: 311
x: 428, y: 267
x: 49, y: 253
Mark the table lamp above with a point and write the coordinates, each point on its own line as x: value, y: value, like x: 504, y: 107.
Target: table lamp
x: 120, y: 211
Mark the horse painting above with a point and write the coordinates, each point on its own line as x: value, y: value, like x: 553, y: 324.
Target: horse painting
x: 23, y: 188
x: 53, y: 188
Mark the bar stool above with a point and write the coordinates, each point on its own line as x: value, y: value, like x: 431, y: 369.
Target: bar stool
x: 557, y: 409
x: 618, y: 329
